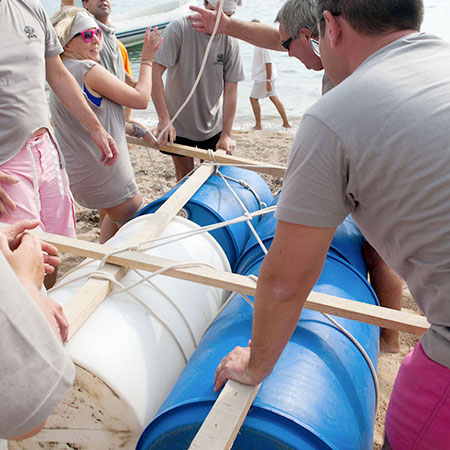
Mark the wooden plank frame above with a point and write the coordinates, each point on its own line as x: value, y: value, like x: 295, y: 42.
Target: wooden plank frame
x: 184, y: 150
x: 222, y: 424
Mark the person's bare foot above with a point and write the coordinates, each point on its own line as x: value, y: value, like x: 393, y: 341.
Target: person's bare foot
x: 257, y: 127
x: 389, y: 341
x: 286, y: 125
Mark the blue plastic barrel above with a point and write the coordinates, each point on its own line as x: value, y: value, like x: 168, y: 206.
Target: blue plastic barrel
x: 321, y: 394
x: 347, y: 242
x: 214, y: 203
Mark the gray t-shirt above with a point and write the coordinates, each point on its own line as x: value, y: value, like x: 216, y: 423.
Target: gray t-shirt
x: 26, y: 39
x: 110, y: 55
x: 378, y: 146
x: 35, y: 371
x: 182, y: 53
x: 93, y: 185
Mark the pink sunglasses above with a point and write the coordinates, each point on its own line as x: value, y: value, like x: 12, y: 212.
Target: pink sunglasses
x: 88, y: 35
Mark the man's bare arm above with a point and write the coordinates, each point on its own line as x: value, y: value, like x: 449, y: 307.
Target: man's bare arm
x: 287, y: 275
x: 259, y: 34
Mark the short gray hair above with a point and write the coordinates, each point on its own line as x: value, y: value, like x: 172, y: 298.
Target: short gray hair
x: 296, y: 14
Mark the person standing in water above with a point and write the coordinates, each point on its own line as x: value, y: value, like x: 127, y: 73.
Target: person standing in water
x: 264, y: 74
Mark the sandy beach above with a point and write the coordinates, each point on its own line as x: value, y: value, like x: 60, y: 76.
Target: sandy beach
x: 155, y: 175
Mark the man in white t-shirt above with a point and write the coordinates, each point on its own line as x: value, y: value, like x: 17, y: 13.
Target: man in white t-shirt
x: 264, y: 74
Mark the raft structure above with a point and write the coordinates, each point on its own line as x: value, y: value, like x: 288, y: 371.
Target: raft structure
x: 102, y: 399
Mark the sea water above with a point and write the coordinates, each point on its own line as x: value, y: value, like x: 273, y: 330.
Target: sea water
x: 297, y: 87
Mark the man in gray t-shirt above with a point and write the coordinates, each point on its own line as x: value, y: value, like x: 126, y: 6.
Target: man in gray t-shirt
x: 207, y: 120
x: 297, y: 26
x: 384, y: 157
x: 29, y: 56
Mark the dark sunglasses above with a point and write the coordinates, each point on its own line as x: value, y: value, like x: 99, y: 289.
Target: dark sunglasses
x: 287, y: 43
x: 88, y: 35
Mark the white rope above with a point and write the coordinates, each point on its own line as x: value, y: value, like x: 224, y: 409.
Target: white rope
x: 153, y: 243
x: 109, y: 277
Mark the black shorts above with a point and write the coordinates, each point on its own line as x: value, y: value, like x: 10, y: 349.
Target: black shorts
x: 205, y: 145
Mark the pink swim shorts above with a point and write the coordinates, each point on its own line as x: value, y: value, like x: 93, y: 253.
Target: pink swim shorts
x: 43, y: 189
x: 418, y: 415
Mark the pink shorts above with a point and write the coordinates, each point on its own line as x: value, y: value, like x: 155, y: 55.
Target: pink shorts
x: 418, y: 415
x: 43, y: 190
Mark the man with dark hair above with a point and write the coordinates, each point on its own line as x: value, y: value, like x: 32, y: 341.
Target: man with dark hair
x: 297, y: 30
x: 385, y: 159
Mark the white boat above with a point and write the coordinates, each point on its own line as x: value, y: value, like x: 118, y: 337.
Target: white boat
x: 131, y: 26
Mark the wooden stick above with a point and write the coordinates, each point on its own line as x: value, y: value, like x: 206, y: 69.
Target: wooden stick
x: 222, y: 424
x: 84, y: 302
x: 193, y: 152
x: 363, y: 312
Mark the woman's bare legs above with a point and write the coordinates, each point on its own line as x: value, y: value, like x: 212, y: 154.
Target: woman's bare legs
x: 110, y: 217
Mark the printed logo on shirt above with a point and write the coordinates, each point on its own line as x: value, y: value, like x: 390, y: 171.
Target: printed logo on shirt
x: 220, y: 58
x: 30, y: 34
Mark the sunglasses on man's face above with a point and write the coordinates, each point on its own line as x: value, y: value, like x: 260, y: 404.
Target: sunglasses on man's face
x: 287, y: 43
x: 88, y: 35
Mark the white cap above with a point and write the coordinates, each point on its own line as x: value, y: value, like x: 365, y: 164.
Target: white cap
x: 229, y: 6
x: 83, y: 21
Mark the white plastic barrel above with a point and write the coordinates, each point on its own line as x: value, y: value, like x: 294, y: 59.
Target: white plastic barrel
x: 127, y: 359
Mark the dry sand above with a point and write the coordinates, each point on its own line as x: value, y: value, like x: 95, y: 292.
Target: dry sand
x: 155, y: 175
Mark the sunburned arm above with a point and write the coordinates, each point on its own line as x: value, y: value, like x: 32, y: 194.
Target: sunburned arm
x: 99, y: 81
x: 259, y: 34
x: 287, y: 275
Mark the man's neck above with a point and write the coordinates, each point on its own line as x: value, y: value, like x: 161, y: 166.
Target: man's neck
x: 365, y: 46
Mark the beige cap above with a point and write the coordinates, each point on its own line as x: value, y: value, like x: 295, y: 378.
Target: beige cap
x: 229, y: 6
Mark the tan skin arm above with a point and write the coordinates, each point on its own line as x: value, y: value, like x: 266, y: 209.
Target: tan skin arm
x: 255, y: 33
x: 159, y: 100
x: 101, y: 82
x: 287, y: 275
x: 268, y: 77
x: 228, y: 113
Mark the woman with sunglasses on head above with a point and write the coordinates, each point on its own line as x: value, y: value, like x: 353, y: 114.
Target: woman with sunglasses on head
x: 111, y: 190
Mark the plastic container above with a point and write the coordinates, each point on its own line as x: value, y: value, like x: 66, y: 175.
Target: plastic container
x: 127, y: 360
x: 215, y: 203
x: 321, y: 394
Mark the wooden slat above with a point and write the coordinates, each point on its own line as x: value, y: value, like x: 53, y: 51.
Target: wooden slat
x: 193, y: 152
x: 84, y: 302
x: 375, y: 315
x: 221, y: 426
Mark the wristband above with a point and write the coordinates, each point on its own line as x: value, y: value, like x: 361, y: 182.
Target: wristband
x: 138, y: 131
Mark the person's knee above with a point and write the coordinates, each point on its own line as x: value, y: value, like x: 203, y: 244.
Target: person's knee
x: 126, y: 210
